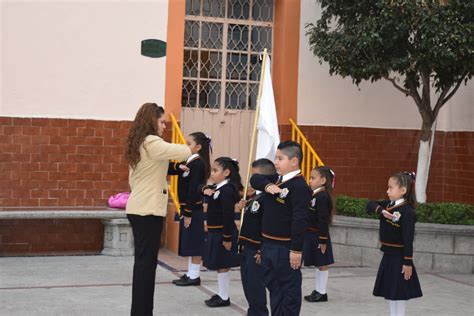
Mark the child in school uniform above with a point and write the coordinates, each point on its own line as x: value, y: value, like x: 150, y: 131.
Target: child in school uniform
x: 192, y: 174
x: 317, y: 250
x: 250, y: 241
x: 220, y: 252
x: 397, y: 280
x: 283, y: 225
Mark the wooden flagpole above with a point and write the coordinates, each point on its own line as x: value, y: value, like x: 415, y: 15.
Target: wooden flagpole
x: 254, y: 130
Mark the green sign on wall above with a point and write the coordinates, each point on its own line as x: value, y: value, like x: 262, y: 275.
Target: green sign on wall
x: 153, y: 48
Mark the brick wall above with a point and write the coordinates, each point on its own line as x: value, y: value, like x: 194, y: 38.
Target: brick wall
x: 51, y: 236
x: 47, y: 163
x: 61, y: 162
x: 52, y: 163
x: 58, y: 163
x: 64, y: 162
x: 363, y: 159
x: 458, y: 167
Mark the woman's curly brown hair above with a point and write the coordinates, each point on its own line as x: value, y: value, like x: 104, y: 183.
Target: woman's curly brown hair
x: 143, y: 125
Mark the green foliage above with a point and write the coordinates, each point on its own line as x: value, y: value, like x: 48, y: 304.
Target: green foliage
x: 349, y: 206
x: 448, y: 213
x: 423, y: 212
x: 439, y: 213
x: 368, y: 40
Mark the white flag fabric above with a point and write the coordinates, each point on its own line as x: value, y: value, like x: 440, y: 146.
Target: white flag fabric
x: 268, y: 136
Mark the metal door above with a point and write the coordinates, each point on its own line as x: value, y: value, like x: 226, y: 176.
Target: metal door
x: 222, y: 45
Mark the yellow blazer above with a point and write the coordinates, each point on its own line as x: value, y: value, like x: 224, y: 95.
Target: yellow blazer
x: 147, y: 181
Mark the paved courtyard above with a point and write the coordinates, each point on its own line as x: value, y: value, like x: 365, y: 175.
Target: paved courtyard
x: 101, y: 285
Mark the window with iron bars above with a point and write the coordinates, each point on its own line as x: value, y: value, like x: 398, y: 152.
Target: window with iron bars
x: 222, y: 45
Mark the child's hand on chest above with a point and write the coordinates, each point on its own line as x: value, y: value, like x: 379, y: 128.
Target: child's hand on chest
x: 282, y: 196
x: 313, y: 204
x: 394, y: 217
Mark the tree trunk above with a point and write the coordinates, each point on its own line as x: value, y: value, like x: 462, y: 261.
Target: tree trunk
x: 422, y: 171
x: 424, y: 162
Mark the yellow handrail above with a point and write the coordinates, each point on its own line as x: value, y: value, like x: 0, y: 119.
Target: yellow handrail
x: 310, y: 157
x: 176, y: 138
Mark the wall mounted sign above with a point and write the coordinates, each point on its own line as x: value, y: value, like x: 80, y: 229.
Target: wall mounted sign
x: 153, y: 48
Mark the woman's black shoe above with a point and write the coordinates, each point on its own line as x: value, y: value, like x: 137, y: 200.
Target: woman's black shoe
x: 217, y: 301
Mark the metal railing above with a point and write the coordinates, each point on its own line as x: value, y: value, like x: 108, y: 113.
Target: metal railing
x: 310, y: 157
x: 176, y: 138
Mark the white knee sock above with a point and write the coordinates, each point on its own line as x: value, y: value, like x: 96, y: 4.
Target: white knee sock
x: 393, y: 308
x: 323, y: 281
x: 223, y: 279
x: 316, y: 279
x: 189, y: 266
x: 193, y: 272
x: 401, y: 306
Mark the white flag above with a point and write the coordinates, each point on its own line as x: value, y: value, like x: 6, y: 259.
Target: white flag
x: 267, y: 125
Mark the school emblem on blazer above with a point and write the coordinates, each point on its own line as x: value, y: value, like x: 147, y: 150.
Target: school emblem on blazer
x: 216, y: 195
x: 186, y: 173
x: 396, y: 216
x: 284, y: 193
x: 313, y: 202
x: 255, y: 207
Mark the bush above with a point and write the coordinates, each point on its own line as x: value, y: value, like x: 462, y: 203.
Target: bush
x: 439, y: 213
x: 449, y: 213
x: 355, y: 207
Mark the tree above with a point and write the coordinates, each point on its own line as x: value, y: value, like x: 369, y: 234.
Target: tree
x: 424, y: 48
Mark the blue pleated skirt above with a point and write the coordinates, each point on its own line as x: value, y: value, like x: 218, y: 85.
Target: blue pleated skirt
x: 312, y: 255
x: 193, y: 238
x: 390, y: 283
x: 215, y: 256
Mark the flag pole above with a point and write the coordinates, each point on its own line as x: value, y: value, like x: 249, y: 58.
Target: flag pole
x: 254, y: 130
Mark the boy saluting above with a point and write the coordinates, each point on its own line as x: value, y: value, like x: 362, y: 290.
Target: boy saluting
x: 284, y: 222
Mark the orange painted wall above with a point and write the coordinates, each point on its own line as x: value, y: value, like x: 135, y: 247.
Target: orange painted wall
x: 174, y: 57
x: 174, y: 79
x: 285, y: 58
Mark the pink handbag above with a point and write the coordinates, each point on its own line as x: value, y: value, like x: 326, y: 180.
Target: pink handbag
x: 119, y: 200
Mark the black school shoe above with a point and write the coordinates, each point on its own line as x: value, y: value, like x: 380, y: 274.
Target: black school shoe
x: 315, y: 296
x: 184, y: 280
x: 184, y: 276
x: 217, y: 301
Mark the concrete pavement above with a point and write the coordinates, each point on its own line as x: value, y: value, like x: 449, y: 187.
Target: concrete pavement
x: 101, y: 285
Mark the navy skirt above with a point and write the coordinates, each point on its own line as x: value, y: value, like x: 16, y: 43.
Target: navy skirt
x: 390, y: 282
x: 193, y: 238
x: 312, y: 255
x: 215, y: 256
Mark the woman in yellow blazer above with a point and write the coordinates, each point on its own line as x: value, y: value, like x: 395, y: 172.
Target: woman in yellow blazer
x: 148, y: 156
